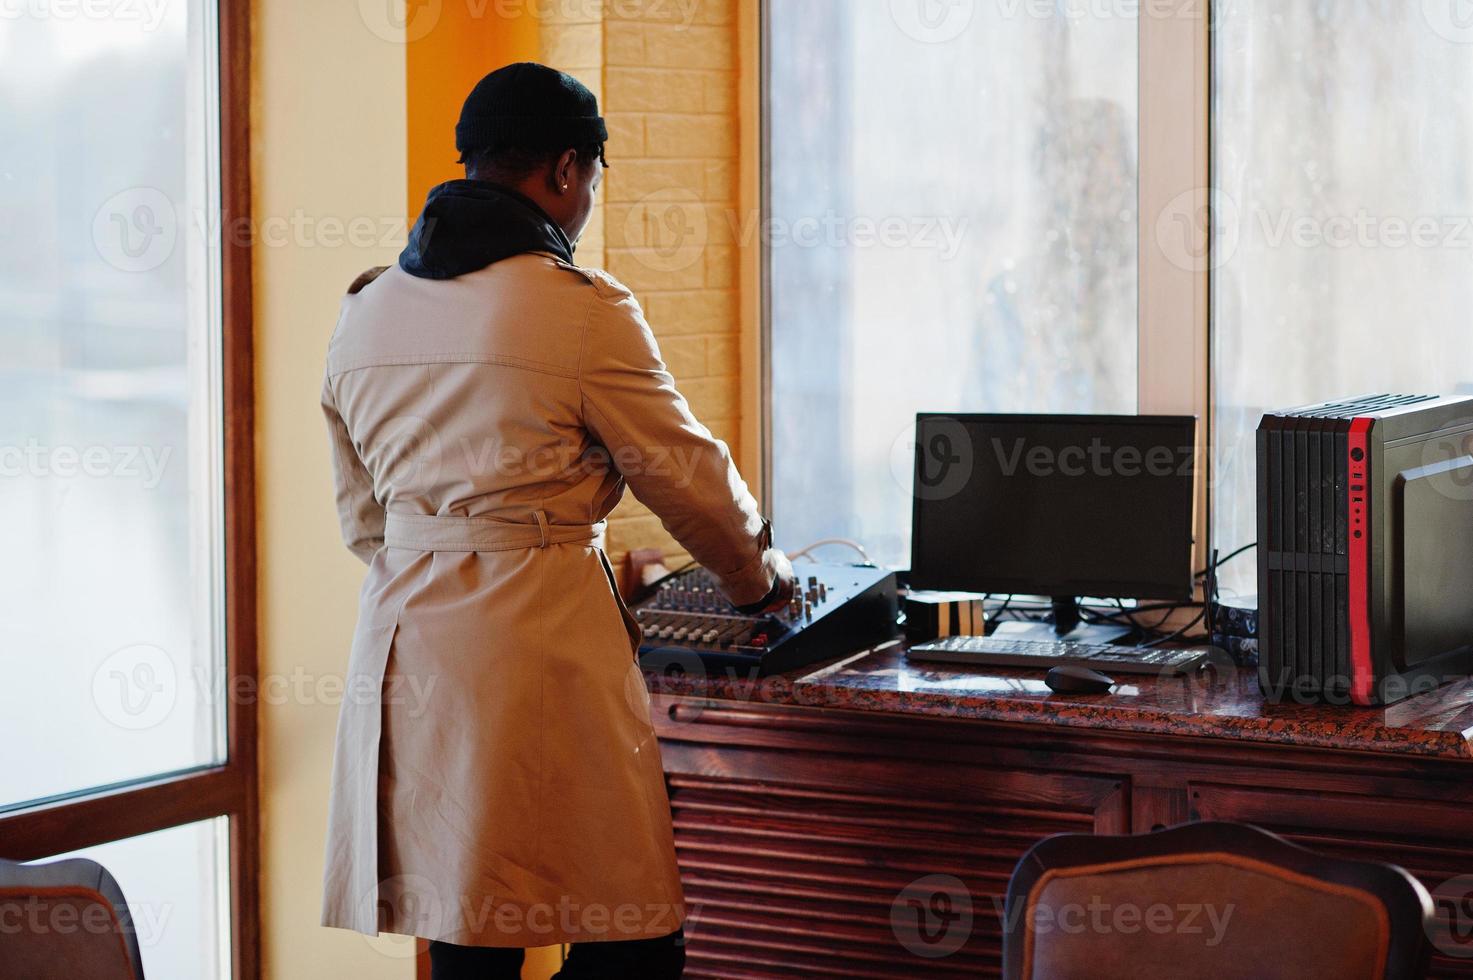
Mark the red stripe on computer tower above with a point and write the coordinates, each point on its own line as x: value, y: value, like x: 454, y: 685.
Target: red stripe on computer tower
x: 1359, y: 533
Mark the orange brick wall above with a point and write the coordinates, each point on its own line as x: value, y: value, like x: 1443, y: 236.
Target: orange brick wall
x: 666, y: 75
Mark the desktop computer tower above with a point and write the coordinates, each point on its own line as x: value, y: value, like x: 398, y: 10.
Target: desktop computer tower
x: 1365, y: 548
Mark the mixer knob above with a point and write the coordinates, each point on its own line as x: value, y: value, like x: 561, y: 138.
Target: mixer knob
x: 823, y: 592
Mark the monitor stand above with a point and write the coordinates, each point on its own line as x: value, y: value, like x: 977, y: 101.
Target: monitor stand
x: 1066, y: 627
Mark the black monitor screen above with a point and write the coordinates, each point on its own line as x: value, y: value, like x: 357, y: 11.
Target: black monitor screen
x: 1054, y: 505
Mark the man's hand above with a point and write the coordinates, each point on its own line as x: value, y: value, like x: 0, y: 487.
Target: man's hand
x: 784, y: 584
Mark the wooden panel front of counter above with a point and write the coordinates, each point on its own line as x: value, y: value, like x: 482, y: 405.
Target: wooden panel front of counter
x: 803, y: 824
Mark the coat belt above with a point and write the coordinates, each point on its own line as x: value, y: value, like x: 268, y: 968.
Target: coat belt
x: 432, y: 532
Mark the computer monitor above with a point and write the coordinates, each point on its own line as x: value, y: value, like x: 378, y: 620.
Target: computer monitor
x: 1055, y: 505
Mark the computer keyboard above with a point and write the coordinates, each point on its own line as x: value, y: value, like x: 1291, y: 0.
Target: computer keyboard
x: 992, y: 651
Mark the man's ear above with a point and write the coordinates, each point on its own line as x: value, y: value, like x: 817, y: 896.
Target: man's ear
x: 563, y: 170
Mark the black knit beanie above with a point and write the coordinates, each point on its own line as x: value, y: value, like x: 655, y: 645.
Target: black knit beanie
x: 529, y: 105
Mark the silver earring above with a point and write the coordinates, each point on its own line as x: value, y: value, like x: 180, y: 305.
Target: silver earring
x: 565, y: 187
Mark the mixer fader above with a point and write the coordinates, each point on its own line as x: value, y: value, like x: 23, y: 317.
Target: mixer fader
x: 836, y: 609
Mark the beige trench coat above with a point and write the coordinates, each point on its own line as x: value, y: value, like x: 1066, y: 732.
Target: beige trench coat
x: 496, y: 779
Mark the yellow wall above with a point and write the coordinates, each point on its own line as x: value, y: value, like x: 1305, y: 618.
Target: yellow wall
x: 449, y: 47
x: 670, y: 95
x: 333, y: 144
x: 328, y: 146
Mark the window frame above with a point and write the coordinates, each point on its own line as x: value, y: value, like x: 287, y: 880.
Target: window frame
x: 1174, y: 166
x: 113, y: 813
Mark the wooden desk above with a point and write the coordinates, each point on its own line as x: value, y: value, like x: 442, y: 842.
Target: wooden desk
x: 805, y: 803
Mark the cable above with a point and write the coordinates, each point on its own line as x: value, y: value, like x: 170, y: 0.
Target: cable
x: 1178, y: 634
x: 1209, y: 596
x: 804, y: 552
x: 1167, y: 610
x: 1150, y: 633
x: 1036, y: 611
x: 1227, y: 558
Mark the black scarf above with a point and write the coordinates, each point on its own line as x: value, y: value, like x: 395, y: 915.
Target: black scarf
x: 469, y: 224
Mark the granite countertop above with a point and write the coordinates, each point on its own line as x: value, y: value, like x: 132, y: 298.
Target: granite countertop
x: 1219, y: 703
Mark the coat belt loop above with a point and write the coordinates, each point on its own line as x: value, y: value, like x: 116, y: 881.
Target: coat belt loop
x: 541, y: 516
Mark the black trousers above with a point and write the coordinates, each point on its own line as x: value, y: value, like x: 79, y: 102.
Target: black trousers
x: 629, y: 959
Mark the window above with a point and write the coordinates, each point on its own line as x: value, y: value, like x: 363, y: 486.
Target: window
x: 126, y: 593
x: 1342, y: 219
x: 171, y: 881
x: 952, y: 226
x: 1335, y: 228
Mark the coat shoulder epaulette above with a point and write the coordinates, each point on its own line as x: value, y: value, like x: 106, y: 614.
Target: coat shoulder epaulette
x: 608, y: 287
x: 364, y: 278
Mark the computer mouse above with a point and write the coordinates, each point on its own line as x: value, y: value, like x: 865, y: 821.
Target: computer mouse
x: 1070, y: 679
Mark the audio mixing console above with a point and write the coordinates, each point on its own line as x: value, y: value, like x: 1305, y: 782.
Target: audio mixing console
x: 836, y: 609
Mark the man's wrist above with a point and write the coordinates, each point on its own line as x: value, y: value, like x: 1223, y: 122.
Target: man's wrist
x: 753, y: 608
